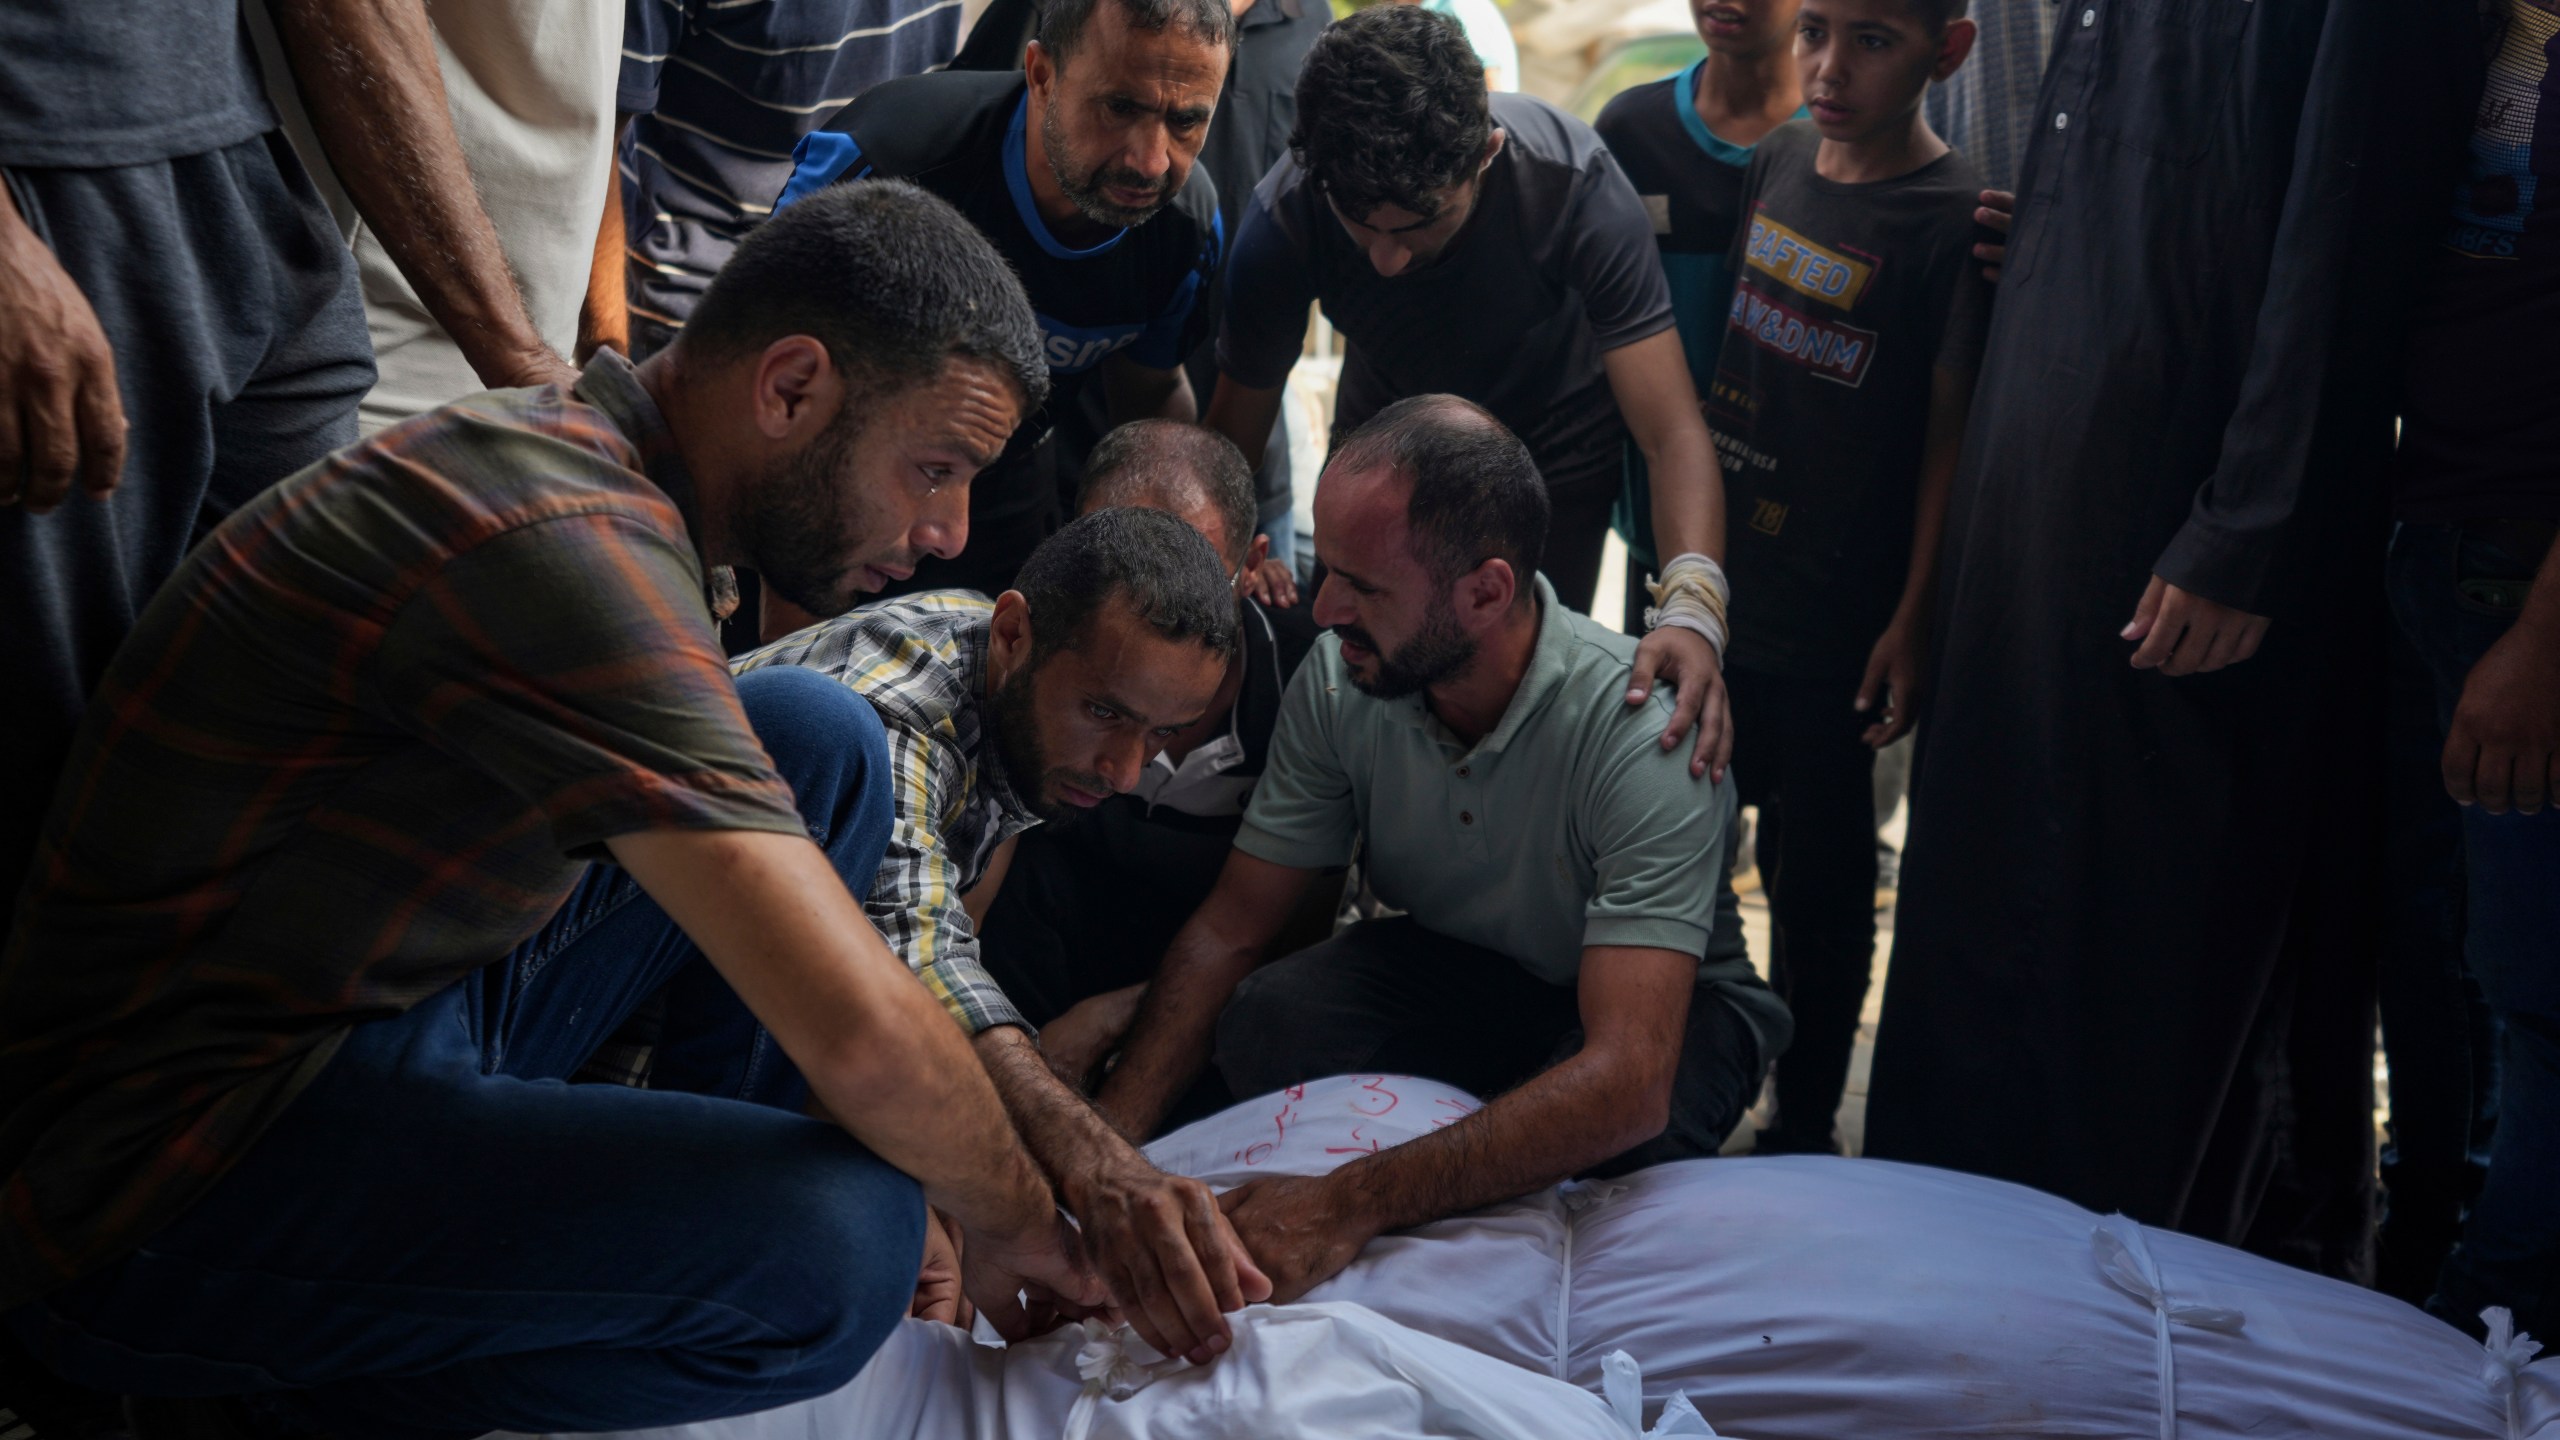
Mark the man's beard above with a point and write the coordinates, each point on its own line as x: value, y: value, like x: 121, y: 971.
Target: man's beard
x: 1087, y: 190
x: 803, y: 528
x: 1437, y: 651
x: 1015, y: 728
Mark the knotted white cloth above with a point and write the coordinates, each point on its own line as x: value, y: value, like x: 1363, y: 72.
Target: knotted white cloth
x: 2127, y: 1264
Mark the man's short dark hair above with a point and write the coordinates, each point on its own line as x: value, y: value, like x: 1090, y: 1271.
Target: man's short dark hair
x: 1391, y: 108
x: 1147, y: 560
x: 1172, y: 466
x: 1477, y: 494
x: 1211, y: 22
x: 892, y: 280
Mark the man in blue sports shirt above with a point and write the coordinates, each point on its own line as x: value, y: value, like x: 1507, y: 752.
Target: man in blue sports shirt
x: 1079, y: 168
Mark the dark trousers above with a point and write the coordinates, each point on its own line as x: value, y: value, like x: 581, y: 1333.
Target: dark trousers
x: 440, y: 1237
x: 2437, y: 1032
x: 2456, y: 590
x: 1388, y: 996
x: 1798, y: 756
x: 232, y: 307
x: 1071, y: 922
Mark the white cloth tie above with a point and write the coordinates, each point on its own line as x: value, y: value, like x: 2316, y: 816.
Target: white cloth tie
x: 1622, y: 1383
x: 2509, y: 1353
x: 1110, y: 1372
x: 2126, y: 1262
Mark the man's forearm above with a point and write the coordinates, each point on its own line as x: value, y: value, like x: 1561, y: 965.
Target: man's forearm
x: 604, y: 320
x: 880, y: 1055
x: 368, y: 74
x: 1649, y: 379
x: 1244, y: 415
x: 1059, y: 1127
x: 1561, y: 1123
x: 1169, y: 1042
x: 1688, y: 493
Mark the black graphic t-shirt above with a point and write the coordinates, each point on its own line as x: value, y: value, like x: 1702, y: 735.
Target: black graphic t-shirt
x: 1845, y: 299
x: 961, y: 135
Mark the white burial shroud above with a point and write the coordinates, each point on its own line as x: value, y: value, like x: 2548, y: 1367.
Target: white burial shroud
x: 1789, y: 1299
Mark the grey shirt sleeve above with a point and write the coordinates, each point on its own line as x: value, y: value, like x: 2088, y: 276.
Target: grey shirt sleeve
x: 1657, y: 839
x: 1302, y: 814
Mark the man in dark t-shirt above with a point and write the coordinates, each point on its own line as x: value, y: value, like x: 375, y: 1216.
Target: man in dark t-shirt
x: 1079, y: 168
x: 1493, y: 251
x: 1838, y: 401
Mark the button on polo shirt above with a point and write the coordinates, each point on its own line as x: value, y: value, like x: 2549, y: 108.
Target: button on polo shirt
x: 1566, y: 826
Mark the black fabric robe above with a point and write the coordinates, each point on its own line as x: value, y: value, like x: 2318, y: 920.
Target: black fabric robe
x: 2134, y: 962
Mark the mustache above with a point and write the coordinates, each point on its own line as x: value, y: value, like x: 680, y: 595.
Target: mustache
x: 1359, y: 637
x: 1123, y: 175
x: 1089, y: 784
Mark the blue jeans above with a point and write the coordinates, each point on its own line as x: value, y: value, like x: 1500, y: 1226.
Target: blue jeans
x: 442, y: 1237
x: 2454, y: 592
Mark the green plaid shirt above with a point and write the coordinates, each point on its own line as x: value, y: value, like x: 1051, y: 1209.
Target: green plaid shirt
x: 358, y: 747
x: 921, y: 660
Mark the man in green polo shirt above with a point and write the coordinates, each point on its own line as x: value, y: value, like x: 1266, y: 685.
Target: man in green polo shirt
x: 1570, y: 943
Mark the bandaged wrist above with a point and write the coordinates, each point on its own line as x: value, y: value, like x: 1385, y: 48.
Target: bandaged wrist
x: 1692, y: 594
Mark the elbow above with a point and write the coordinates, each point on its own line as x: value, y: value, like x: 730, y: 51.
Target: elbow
x: 1640, y: 1109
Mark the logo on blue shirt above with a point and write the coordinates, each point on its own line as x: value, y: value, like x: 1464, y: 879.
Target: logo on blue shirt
x: 1074, y: 349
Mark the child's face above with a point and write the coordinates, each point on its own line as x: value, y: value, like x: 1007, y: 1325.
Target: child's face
x: 1866, y: 63
x: 1744, y: 27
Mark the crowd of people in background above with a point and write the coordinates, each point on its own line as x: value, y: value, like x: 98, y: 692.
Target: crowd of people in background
x: 563, y: 554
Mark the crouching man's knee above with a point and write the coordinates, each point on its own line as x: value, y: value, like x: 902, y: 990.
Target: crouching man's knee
x: 843, y: 1247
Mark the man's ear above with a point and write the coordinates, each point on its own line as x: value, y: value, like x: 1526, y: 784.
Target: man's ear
x: 1039, y: 69
x: 797, y: 389
x: 1492, y: 147
x: 1953, y: 47
x: 1008, y: 638
x: 1484, y: 594
x: 1256, y: 553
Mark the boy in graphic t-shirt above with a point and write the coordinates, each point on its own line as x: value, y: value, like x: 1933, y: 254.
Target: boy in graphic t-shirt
x: 1837, y: 400
x: 1685, y: 143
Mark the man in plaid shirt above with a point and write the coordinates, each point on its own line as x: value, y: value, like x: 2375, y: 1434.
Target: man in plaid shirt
x: 313, y: 937
x: 1039, y: 705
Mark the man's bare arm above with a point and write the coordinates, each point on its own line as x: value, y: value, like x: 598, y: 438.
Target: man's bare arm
x: 604, y: 318
x: 1172, y: 1263
x: 1650, y: 381
x: 368, y: 74
x: 1607, y: 1098
x: 1219, y: 946
x: 1245, y: 415
x: 880, y: 1055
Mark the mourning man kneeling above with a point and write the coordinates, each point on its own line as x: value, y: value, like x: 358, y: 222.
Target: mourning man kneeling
x: 1038, y: 706
x: 1570, y: 942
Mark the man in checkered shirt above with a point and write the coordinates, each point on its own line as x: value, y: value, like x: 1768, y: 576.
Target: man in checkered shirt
x: 1001, y: 714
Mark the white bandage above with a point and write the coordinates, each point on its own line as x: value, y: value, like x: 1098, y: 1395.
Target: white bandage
x: 1691, y: 593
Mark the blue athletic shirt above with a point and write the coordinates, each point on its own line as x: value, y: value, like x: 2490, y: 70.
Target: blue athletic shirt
x: 1690, y: 179
x: 960, y: 134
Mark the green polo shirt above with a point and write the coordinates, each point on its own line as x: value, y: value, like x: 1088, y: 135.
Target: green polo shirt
x: 1567, y: 826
